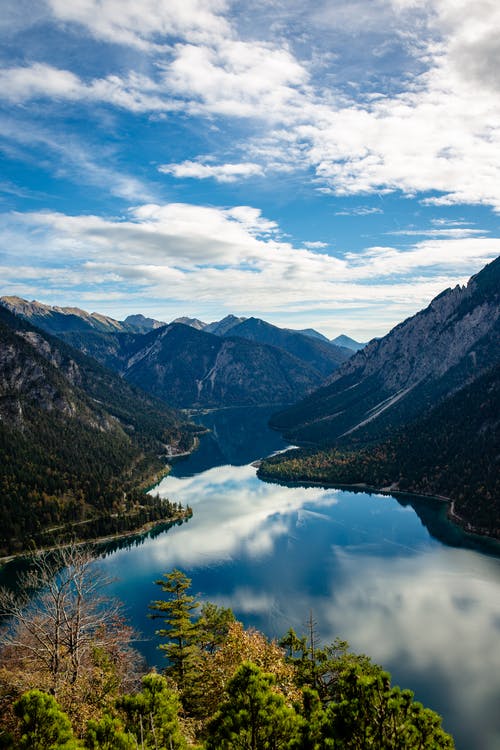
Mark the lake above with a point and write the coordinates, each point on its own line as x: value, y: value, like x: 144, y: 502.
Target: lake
x: 393, y: 577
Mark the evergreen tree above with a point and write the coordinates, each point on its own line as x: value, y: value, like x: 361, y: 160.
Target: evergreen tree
x: 254, y: 716
x: 213, y: 626
x: 43, y: 724
x: 371, y: 713
x: 152, y: 716
x: 180, y: 628
x: 107, y: 734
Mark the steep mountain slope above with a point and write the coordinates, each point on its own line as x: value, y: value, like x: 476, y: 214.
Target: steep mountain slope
x: 75, y: 441
x: 398, y: 378
x: 321, y: 355
x: 348, y: 342
x: 187, y: 367
x: 454, y: 451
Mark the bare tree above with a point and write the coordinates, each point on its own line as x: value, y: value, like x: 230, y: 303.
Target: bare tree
x: 58, y: 622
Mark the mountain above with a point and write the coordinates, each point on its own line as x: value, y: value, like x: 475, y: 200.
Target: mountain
x: 187, y: 368
x: 311, y: 332
x: 193, y: 322
x: 321, y: 355
x: 141, y: 324
x: 348, y: 342
x: 76, y: 441
x: 221, y: 327
x: 60, y: 320
x: 57, y: 320
x: 398, y: 378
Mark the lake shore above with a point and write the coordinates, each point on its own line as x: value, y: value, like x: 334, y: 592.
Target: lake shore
x: 387, y: 490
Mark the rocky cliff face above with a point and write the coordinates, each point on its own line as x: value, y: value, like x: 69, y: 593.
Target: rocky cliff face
x: 37, y: 371
x: 421, y: 361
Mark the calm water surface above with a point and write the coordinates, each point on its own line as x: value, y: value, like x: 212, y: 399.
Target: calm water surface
x: 394, y: 578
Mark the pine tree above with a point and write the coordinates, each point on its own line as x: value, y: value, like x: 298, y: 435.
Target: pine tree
x: 152, y: 716
x: 254, y: 716
x: 180, y: 629
x: 43, y: 724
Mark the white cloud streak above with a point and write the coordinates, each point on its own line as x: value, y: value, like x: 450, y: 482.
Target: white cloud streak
x: 233, y: 258
x: 218, y: 172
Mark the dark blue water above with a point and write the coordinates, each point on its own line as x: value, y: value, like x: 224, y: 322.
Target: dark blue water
x: 394, y: 578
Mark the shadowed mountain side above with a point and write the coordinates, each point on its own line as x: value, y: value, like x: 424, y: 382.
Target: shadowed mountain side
x: 76, y: 442
x: 190, y: 368
x: 187, y: 367
x: 321, y: 355
x: 401, y: 376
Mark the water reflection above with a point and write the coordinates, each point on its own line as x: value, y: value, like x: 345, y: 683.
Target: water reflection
x: 366, y: 565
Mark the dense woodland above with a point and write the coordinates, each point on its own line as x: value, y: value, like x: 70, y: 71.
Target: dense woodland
x: 453, y: 452
x: 69, y: 678
x: 78, y: 445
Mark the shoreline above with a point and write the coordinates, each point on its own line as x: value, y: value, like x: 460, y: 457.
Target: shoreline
x: 138, y: 531
x: 146, y: 486
x: 454, y: 517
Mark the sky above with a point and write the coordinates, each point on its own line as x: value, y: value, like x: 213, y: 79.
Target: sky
x: 320, y: 164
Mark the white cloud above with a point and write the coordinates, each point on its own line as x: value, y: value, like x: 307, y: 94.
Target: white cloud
x: 219, y: 172
x: 137, y: 93
x: 437, y: 132
x: 452, y: 232
x: 237, y: 79
x: 145, y: 24
x: 359, y: 211
x: 234, y: 259
x: 315, y: 245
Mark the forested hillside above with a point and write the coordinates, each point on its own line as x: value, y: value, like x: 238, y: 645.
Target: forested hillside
x: 454, y: 452
x: 76, y: 443
x: 417, y: 411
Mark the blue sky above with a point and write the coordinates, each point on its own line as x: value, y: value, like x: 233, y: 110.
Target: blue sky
x: 329, y: 164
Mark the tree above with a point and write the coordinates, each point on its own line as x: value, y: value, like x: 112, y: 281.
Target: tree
x: 213, y: 626
x: 43, y: 724
x: 216, y: 669
x: 107, y: 734
x: 180, y: 628
x: 152, y: 716
x: 369, y: 712
x: 254, y: 716
x: 64, y: 635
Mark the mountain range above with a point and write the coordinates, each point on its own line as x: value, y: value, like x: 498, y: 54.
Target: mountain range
x: 235, y: 361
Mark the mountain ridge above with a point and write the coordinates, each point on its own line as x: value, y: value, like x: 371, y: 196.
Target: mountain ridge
x: 76, y: 442
x: 422, y: 360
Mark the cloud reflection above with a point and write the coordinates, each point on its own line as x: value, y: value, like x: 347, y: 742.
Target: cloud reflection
x: 363, y: 565
x: 235, y: 513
